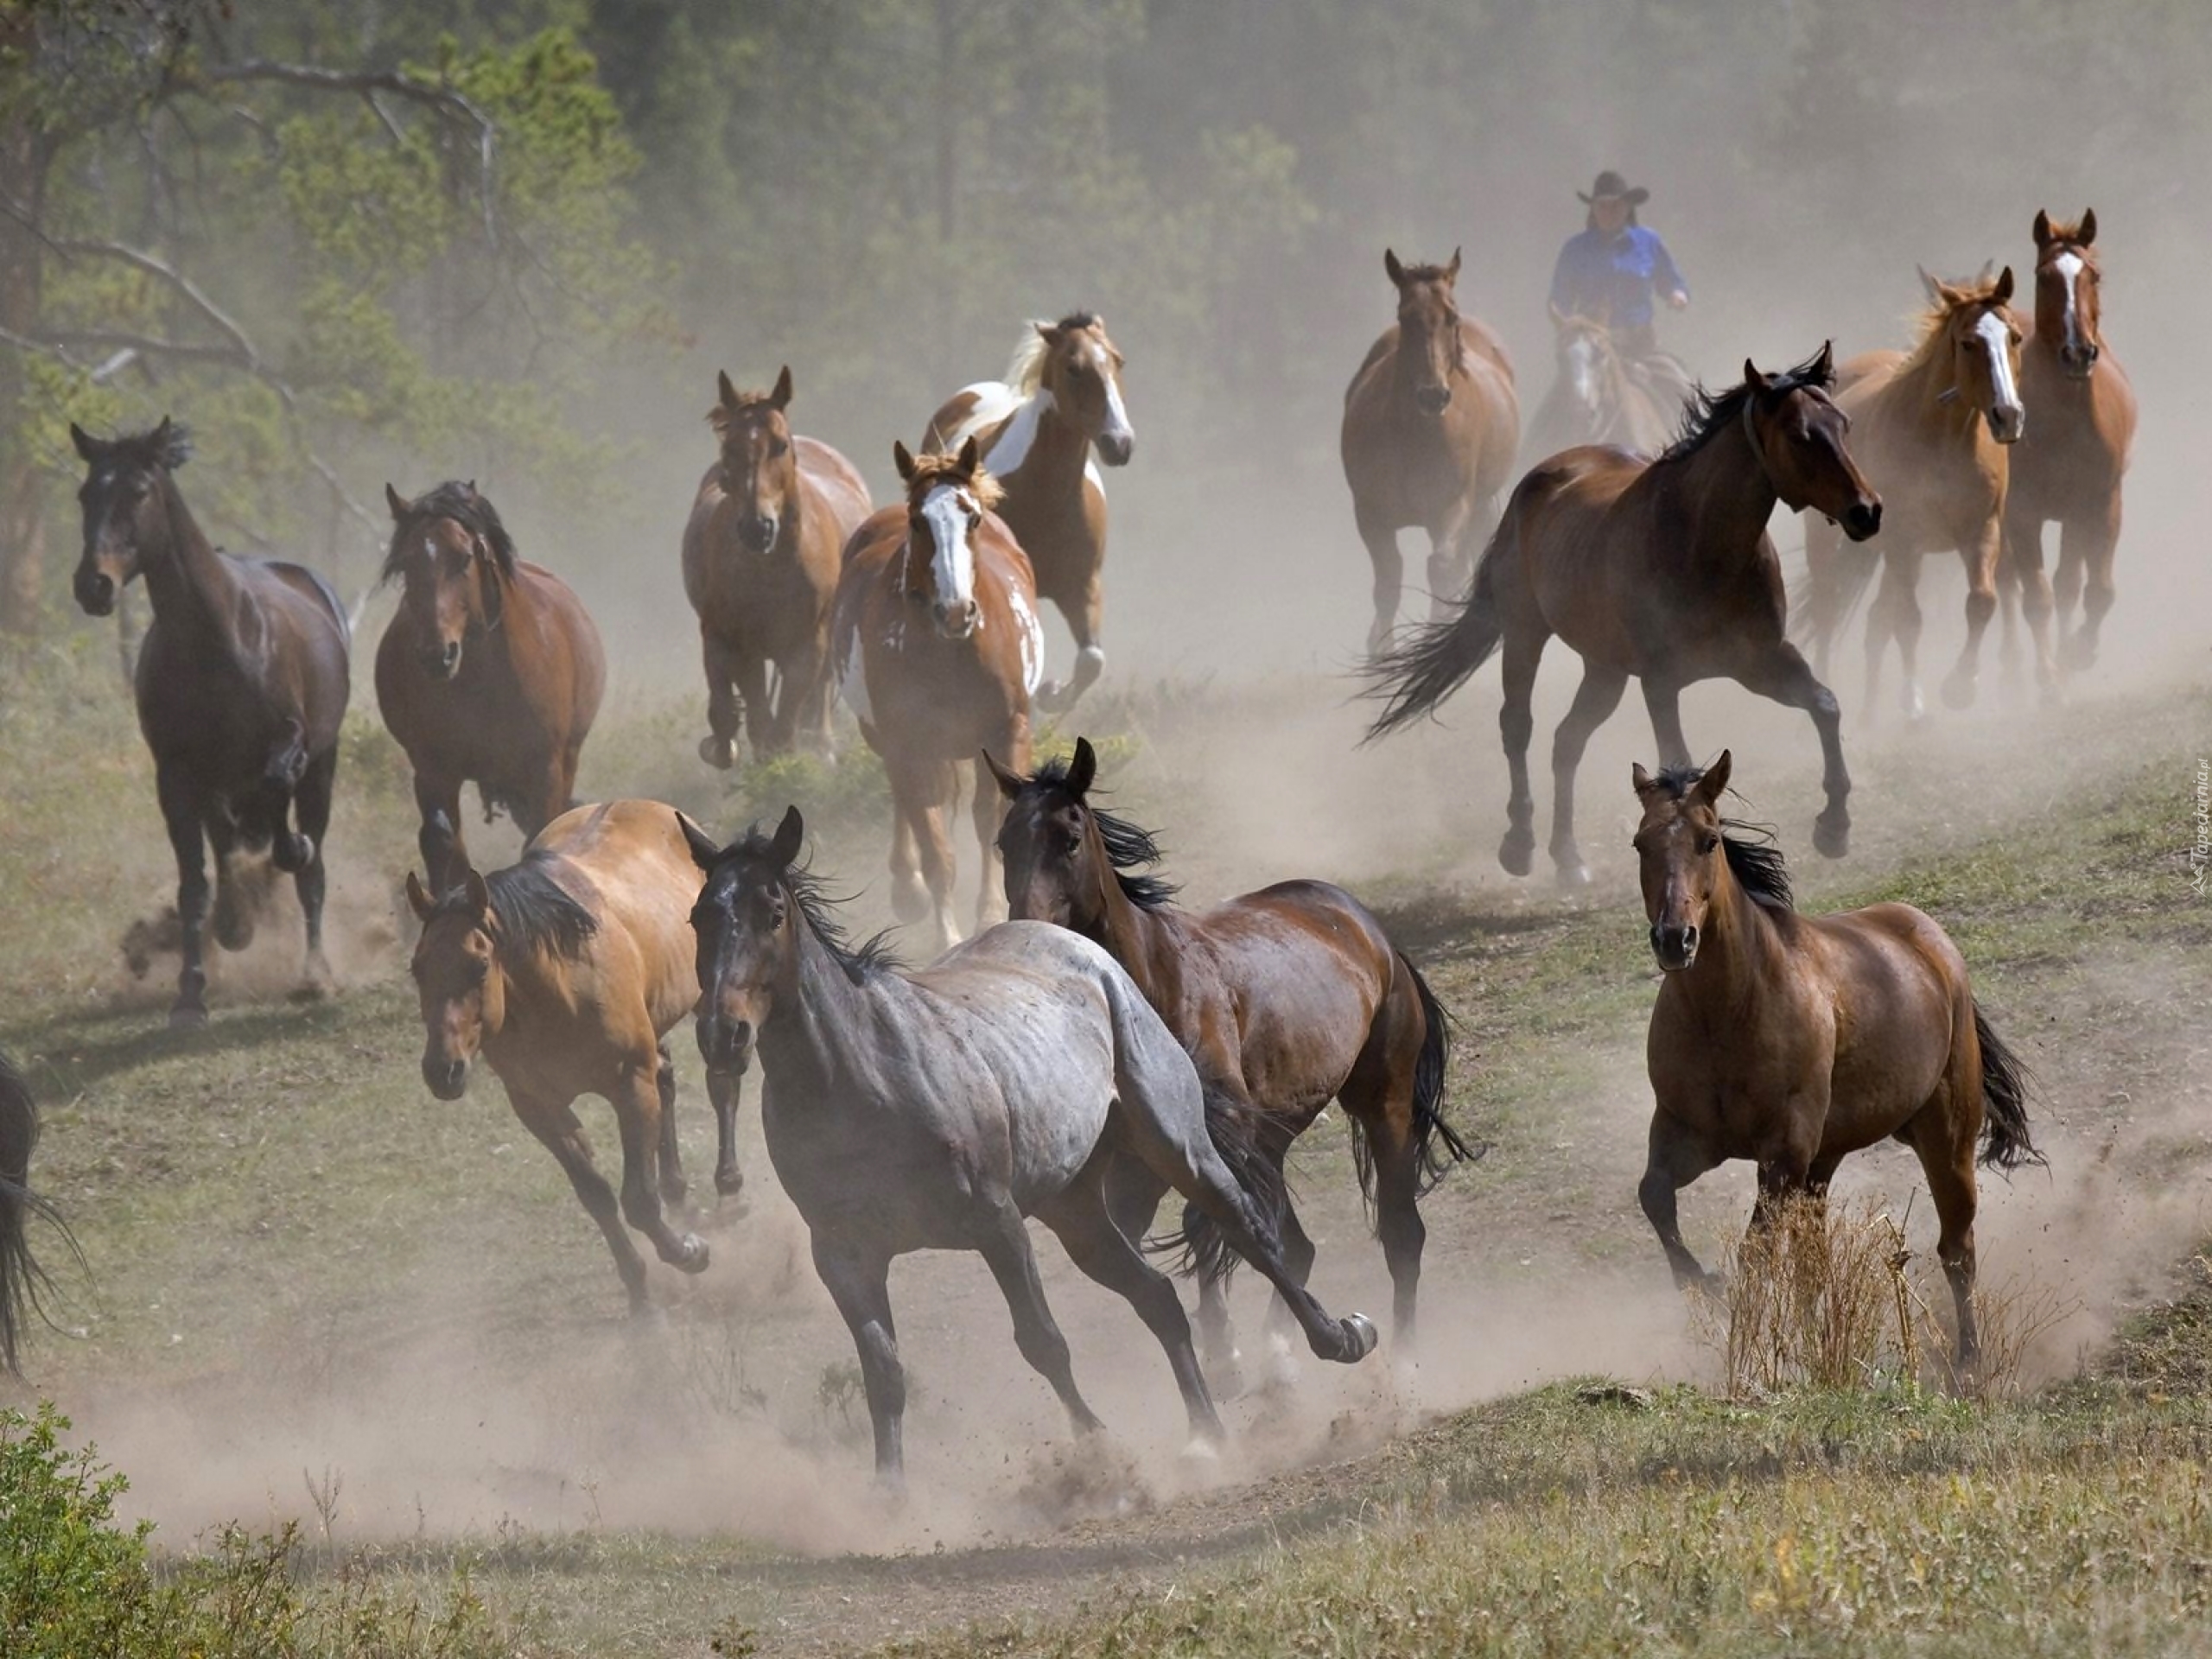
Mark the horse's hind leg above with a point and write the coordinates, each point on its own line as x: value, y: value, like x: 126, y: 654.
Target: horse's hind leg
x: 1390, y: 577
x: 858, y: 1278
x: 311, y: 880
x: 1943, y: 1135
x: 1784, y: 675
x: 554, y: 1122
x: 1004, y: 1243
x: 181, y: 811
x: 1595, y: 699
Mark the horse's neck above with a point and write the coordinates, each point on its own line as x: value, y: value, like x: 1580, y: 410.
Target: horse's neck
x: 808, y: 1042
x: 1915, y: 394
x: 190, y: 583
x: 1045, y: 453
x: 1735, y: 963
x: 1728, y: 495
x: 1146, y: 943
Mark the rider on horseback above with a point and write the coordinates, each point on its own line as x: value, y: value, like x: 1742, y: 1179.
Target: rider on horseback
x: 1611, y: 270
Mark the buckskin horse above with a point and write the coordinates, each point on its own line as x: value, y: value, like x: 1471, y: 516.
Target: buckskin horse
x: 938, y: 651
x: 1287, y: 999
x: 1662, y: 570
x: 1061, y: 401
x: 1932, y: 429
x: 1795, y: 1041
x: 567, y: 972
x: 760, y: 565
x: 2069, y: 468
x: 1431, y: 424
x: 939, y: 1110
x: 241, y: 684
x: 490, y: 672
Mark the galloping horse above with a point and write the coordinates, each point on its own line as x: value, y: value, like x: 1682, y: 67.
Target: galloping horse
x: 1658, y: 568
x: 2070, y: 467
x: 761, y: 568
x: 1287, y: 999
x: 1599, y: 396
x: 1931, y: 429
x: 1060, y: 400
x: 1796, y: 1041
x: 1431, y: 424
x: 566, y: 972
x: 490, y: 672
x: 241, y: 684
x: 22, y: 1279
x: 938, y: 651
x: 936, y: 1110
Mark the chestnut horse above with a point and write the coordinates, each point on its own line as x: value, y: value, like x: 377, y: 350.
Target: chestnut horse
x: 1287, y: 999
x: 2069, y: 468
x: 1662, y: 570
x: 489, y: 671
x: 938, y: 651
x: 1932, y: 429
x: 1600, y: 396
x: 940, y: 1109
x: 1431, y: 424
x: 566, y: 972
x: 1795, y: 1041
x: 1061, y: 399
x: 761, y: 568
x: 241, y: 685
x: 22, y: 1280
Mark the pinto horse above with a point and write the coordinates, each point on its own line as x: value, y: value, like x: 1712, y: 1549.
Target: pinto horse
x: 1932, y: 428
x: 2069, y: 469
x: 1795, y: 1041
x: 566, y: 972
x: 241, y: 684
x: 1061, y: 400
x: 1598, y: 395
x: 938, y: 651
x: 1662, y: 570
x: 1431, y: 424
x: 760, y: 562
x: 490, y: 672
x: 937, y: 1110
x: 1287, y: 999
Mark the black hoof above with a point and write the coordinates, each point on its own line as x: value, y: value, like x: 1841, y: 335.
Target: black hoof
x: 1831, y: 837
x: 291, y: 854
x: 187, y: 1016
x: 718, y: 752
x: 729, y: 1182
x: 1518, y: 852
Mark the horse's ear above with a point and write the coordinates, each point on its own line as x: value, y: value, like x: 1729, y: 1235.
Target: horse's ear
x: 2088, y: 233
x: 1559, y: 317
x: 1933, y: 288
x: 781, y: 397
x: 1050, y: 332
x: 903, y: 460
x: 791, y: 837
x: 1715, y: 780
x: 480, y: 896
x: 2003, y: 293
x: 971, y: 456
x: 1452, y: 270
x: 89, y: 449
x: 703, y: 850
x: 417, y: 900
x: 1752, y: 378
x: 1083, y: 770
x: 1639, y: 778
x: 396, y: 501
x: 724, y: 389
x: 1009, y: 782
x: 2043, y: 227
x: 1824, y: 365
x: 1392, y: 269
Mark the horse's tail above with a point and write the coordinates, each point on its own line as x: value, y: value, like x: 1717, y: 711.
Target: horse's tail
x: 1239, y: 1132
x: 1437, y: 659
x: 2004, y: 1142
x: 22, y: 1280
x: 1437, y: 1145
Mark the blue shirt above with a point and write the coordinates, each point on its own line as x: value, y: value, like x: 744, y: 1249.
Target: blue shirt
x: 1615, y: 277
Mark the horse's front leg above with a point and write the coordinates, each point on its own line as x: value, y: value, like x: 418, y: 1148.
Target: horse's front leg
x: 440, y: 841
x: 761, y: 727
x: 2091, y: 544
x: 1978, y: 553
x: 858, y: 1278
x: 988, y: 808
x: 2023, y: 558
x: 722, y: 1089
x: 1389, y: 583
x: 637, y: 1101
x: 670, y: 1162
x: 1451, y: 549
x: 183, y: 811
x: 1086, y: 620
x: 553, y: 1121
x: 1675, y: 1158
x: 719, y: 748
x: 310, y: 882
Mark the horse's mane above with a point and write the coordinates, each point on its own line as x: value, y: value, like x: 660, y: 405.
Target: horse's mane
x: 1930, y: 342
x: 871, y: 956
x: 1708, y: 412
x: 1025, y: 370
x: 1753, y: 858
x: 139, y: 450
x: 2068, y: 237
x: 465, y: 507
x: 531, y: 911
x: 1129, y: 849
x: 932, y: 470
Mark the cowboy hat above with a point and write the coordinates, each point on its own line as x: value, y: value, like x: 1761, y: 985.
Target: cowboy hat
x: 1611, y: 186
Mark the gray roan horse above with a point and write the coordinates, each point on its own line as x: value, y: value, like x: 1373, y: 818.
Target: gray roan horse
x: 938, y: 1109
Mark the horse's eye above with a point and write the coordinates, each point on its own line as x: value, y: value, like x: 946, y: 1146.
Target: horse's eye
x: 479, y: 972
x: 1706, y: 844
x: 777, y: 446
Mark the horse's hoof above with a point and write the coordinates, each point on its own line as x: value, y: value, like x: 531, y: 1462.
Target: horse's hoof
x: 718, y: 752
x: 691, y: 1255
x: 1574, y: 874
x: 187, y: 1016
x: 1360, y: 1337
x: 729, y: 1182
x: 1202, y: 1448
x: 1518, y: 852
x: 292, y: 852
x: 1915, y: 709
x: 1831, y: 837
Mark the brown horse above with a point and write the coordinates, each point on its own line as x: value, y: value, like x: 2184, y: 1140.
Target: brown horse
x: 1662, y: 570
x: 1795, y: 1041
x: 566, y: 972
x: 1431, y: 424
x: 761, y: 568
x: 1599, y: 396
x: 1060, y: 400
x: 490, y: 672
x: 22, y: 1282
x: 241, y: 685
x: 2070, y: 468
x: 938, y: 651
x: 1287, y: 999
x: 1931, y: 428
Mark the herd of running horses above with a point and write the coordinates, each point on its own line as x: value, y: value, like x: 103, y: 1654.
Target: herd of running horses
x: 1076, y: 1064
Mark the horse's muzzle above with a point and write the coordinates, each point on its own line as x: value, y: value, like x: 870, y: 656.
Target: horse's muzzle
x: 958, y: 621
x: 1675, y: 947
x: 1114, y: 448
x: 726, y: 1044
x: 2007, y: 424
x: 95, y: 592
x: 446, y: 1079
x: 442, y: 662
x: 2080, y: 362
x: 756, y: 531
x: 1863, y: 520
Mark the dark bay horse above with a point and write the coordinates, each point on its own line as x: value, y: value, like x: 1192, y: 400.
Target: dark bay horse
x: 1061, y: 401
x: 2069, y: 468
x: 1599, y: 396
x: 1931, y: 428
x: 938, y: 1109
x: 1287, y: 999
x: 938, y: 651
x: 22, y: 1282
x: 566, y: 972
x: 1431, y: 424
x: 1795, y: 1041
x: 760, y: 562
x: 1662, y: 570
x: 490, y: 672
x: 241, y: 684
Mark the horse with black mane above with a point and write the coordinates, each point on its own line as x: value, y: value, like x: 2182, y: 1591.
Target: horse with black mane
x: 22, y: 1280
x: 241, y: 684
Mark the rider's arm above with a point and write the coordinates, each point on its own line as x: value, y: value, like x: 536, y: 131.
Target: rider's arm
x: 1567, y: 283
x: 1665, y: 277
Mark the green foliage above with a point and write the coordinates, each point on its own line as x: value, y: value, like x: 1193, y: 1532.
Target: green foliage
x: 72, y: 1581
